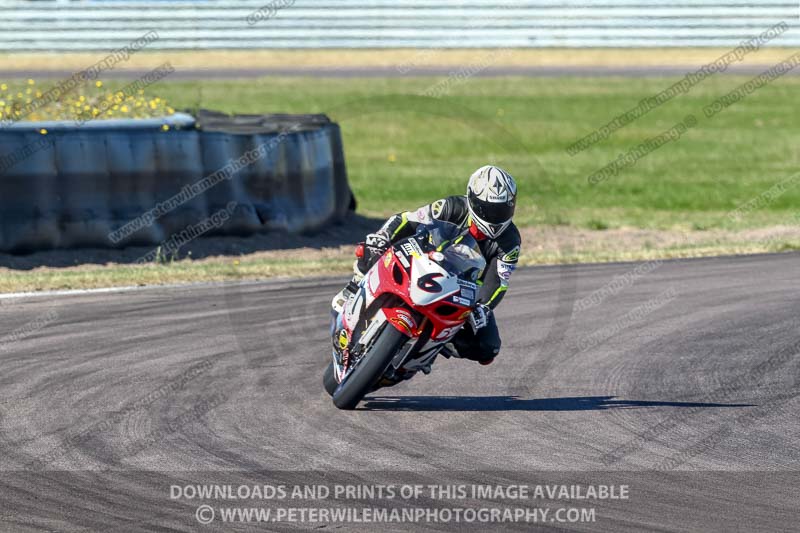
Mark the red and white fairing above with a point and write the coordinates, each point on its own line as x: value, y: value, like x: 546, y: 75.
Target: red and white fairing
x: 434, y: 298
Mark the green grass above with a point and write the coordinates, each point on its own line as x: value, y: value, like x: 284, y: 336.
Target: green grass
x: 186, y: 271
x: 404, y: 150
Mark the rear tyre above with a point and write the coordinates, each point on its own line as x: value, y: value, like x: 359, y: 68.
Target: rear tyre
x: 329, y: 380
x: 370, y: 369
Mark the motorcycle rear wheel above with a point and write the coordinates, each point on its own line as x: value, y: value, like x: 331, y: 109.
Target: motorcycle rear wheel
x: 369, y: 369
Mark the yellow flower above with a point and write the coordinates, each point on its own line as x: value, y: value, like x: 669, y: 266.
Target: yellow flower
x: 42, y: 131
x: 31, y: 82
x: 98, y: 83
x: 38, y: 94
x: 165, y: 128
x: 392, y: 158
x: 3, y: 86
x: 124, y: 109
x: 170, y: 110
x: 82, y: 98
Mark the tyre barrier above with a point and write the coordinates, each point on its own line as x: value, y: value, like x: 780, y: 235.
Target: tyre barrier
x: 118, y: 183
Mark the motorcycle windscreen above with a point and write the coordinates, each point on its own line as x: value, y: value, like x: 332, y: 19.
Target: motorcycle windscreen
x: 465, y: 260
x: 462, y: 254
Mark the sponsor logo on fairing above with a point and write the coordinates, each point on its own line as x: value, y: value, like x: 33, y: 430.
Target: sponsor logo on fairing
x: 462, y: 301
x: 406, y: 319
x: 468, y: 289
x: 447, y: 333
x: 402, y: 320
x: 412, y: 249
x: 344, y: 339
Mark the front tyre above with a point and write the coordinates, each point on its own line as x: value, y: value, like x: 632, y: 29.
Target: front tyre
x: 329, y: 380
x: 369, y: 370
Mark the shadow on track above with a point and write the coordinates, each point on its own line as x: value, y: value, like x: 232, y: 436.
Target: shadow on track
x: 515, y: 403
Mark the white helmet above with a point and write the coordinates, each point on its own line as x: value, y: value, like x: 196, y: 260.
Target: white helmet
x: 492, y: 197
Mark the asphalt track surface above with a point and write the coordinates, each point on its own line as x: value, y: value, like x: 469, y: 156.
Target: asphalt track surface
x: 680, y: 379
x: 395, y: 71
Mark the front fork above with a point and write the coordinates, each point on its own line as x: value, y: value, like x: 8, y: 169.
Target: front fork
x: 411, y: 352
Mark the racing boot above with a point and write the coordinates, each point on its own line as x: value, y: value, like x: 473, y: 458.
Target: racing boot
x: 337, y: 304
x: 449, y: 350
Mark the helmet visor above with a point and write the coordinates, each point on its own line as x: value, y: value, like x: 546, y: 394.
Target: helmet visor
x: 492, y: 212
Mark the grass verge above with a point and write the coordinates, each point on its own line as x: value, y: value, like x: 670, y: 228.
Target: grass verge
x: 405, y: 149
x: 542, y: 245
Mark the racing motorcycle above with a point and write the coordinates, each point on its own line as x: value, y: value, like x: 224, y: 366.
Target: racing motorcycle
x: 403, y: 312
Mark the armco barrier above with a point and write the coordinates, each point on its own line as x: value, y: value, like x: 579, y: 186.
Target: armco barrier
x: 117, y: 183
x: 103, y: 25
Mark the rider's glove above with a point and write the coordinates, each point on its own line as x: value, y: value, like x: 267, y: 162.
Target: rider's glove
x: 374, y: 247
x: 378, y: 242
x: 479, y: 317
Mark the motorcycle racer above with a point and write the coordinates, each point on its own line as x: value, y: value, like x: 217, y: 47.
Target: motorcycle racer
x: 487, y: 210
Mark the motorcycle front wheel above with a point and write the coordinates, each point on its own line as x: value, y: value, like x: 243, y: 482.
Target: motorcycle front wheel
x: 369, y: 369
x: 329, y: 380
